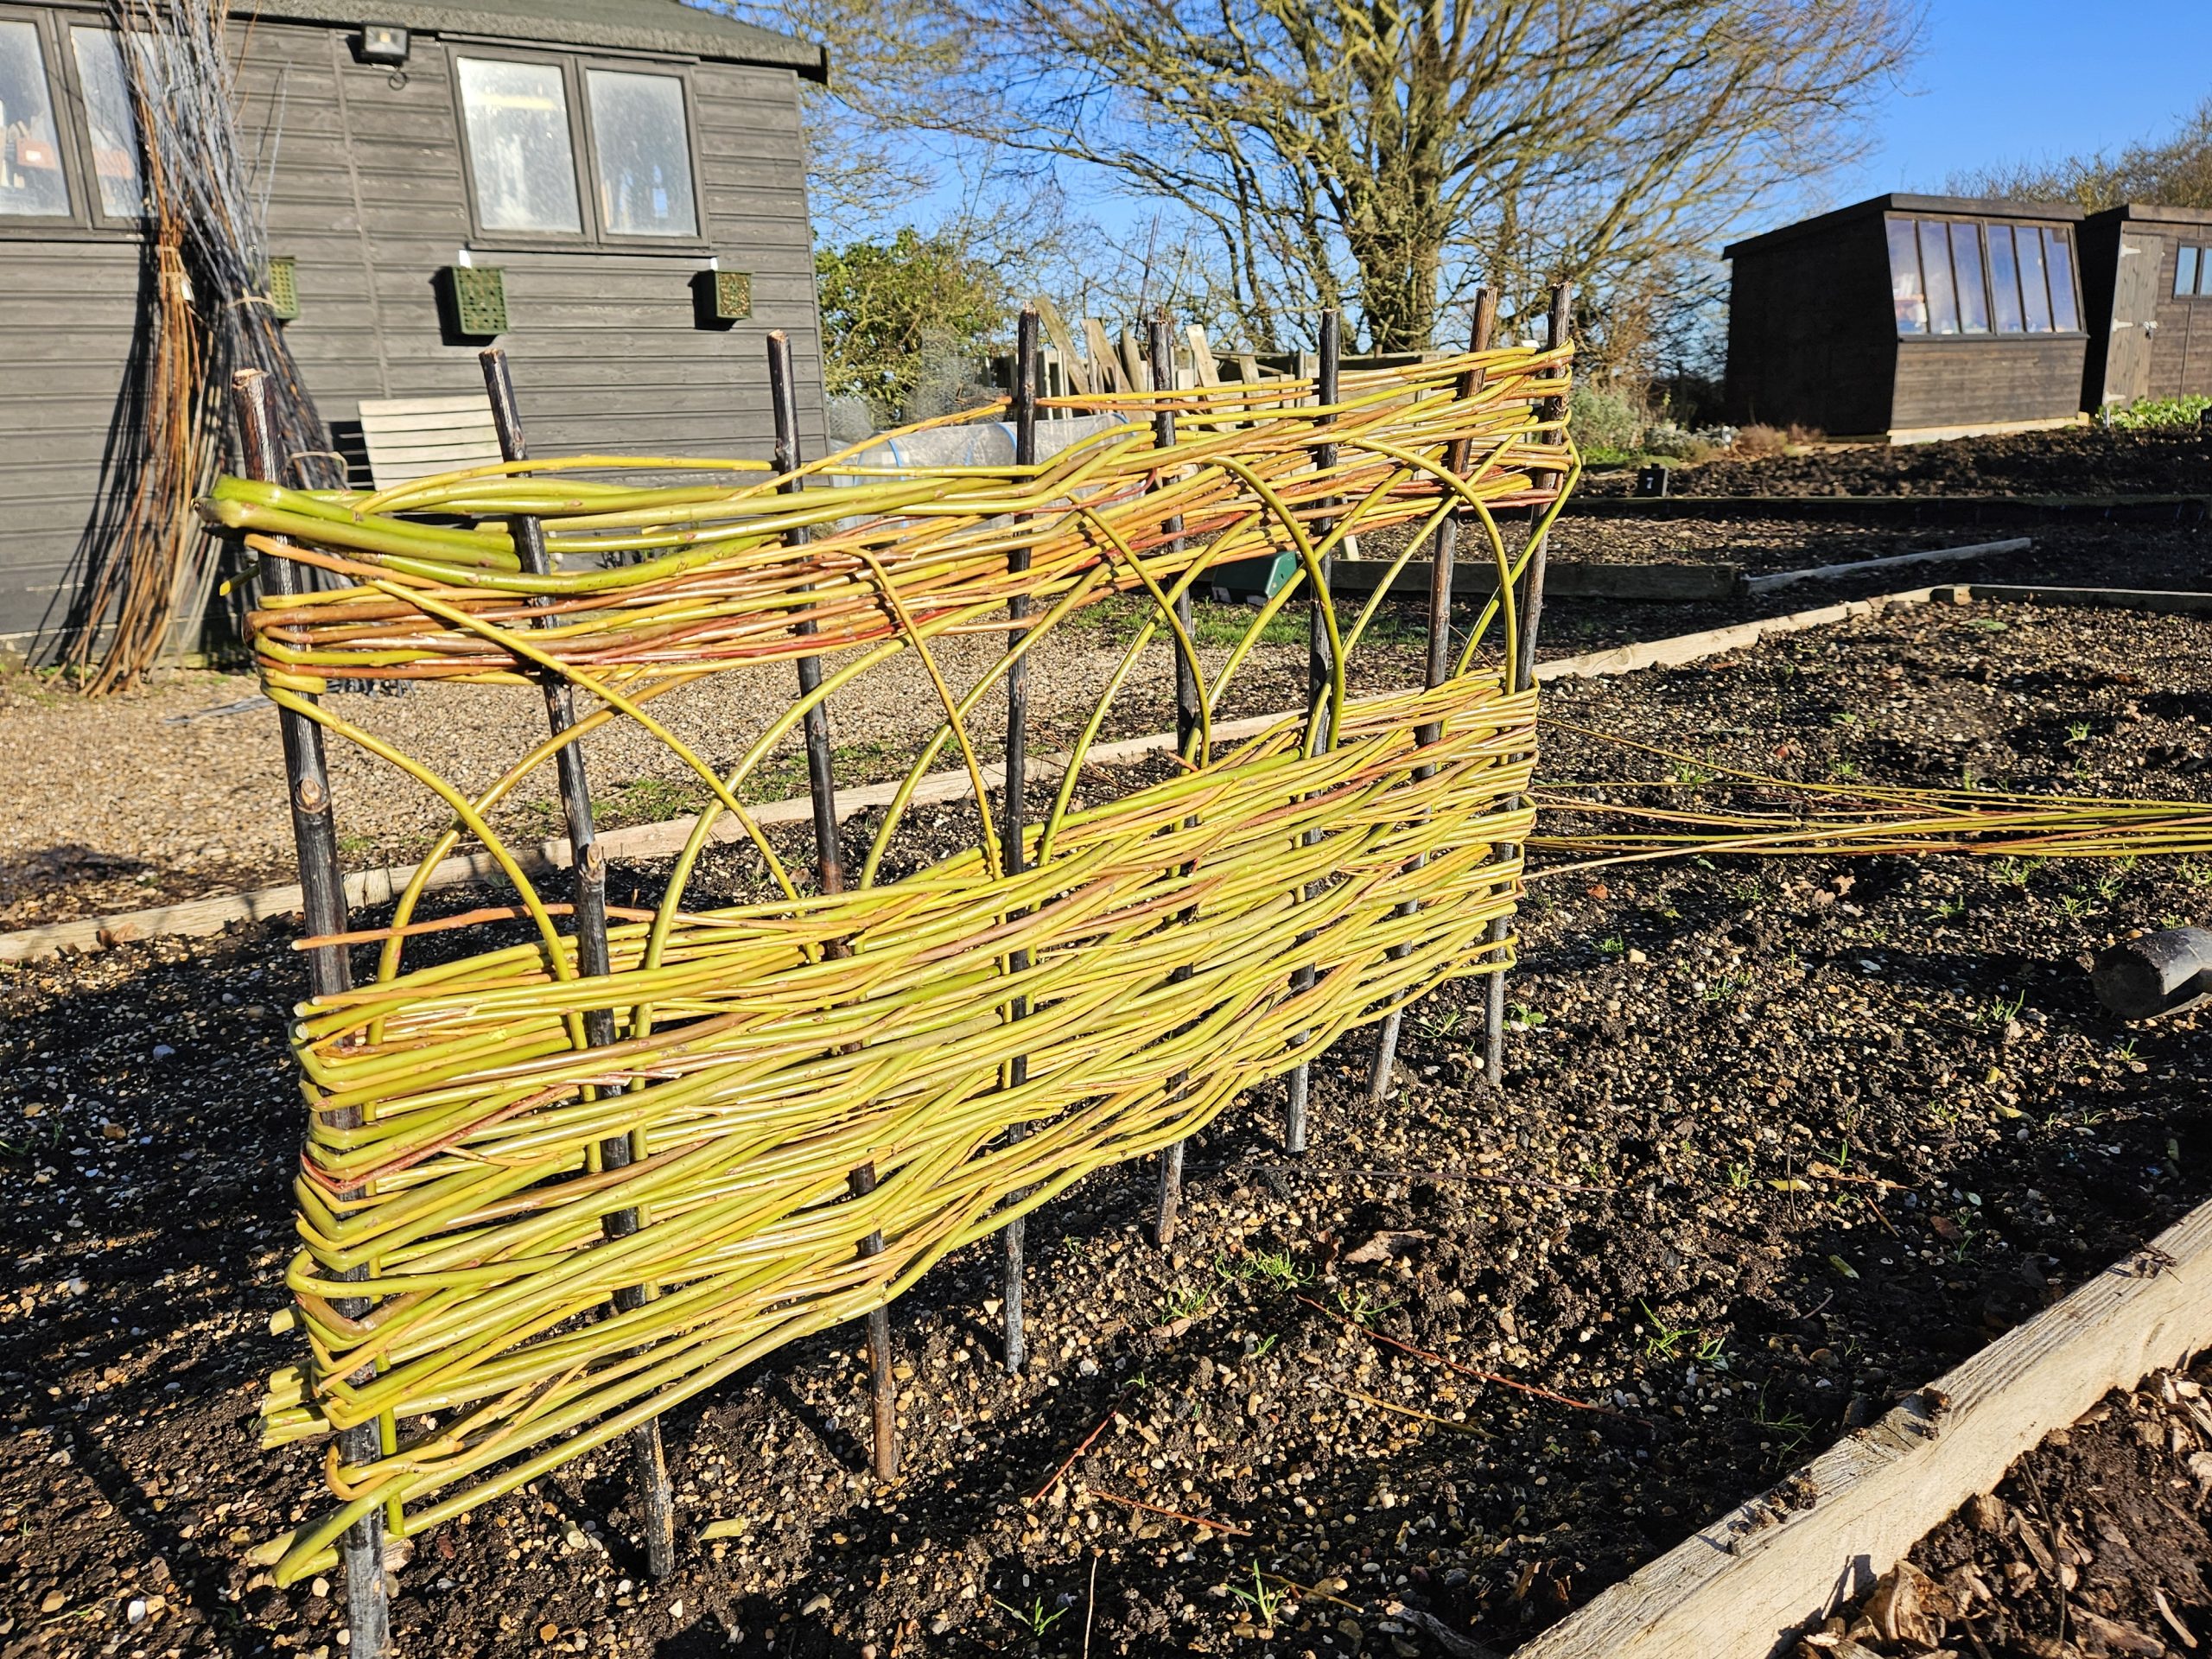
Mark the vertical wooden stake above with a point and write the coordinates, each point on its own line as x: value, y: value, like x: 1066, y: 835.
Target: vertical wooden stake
x: 1439, y: 653
x: 882, y: 1387
x: 1318, y: 665
x: 1187, y: 732
x: 314, y: 838
x: 1521, y: 675
x: 648, y: 1460
x: 829, y: 874
x: 1013, y: 853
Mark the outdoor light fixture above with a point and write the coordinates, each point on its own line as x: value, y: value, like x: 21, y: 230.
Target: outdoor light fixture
x: 384, y: 43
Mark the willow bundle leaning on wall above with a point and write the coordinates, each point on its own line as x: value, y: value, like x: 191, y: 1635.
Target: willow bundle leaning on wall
x: 149, y: 570
x: 764, y: 1050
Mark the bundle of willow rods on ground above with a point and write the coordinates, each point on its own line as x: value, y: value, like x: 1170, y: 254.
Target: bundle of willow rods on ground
x: 1085, y: 985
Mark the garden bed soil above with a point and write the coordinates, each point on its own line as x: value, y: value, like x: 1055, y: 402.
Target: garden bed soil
x: 1778, y: 1142
x: 2097, y: 1542
x: 2066, y: 461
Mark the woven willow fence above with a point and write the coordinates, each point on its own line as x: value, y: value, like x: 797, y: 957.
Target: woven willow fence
x: 546, y: 1199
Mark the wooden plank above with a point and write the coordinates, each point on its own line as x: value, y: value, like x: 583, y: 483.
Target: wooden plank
x: 1138, y: 373
x: 1202, y: 356
x: 406, y: 408
x: 1743, y: 1586
x: 1056, y: 330
x: 1773, y: 580
x: 2156, y: 602
x: 1477, y: 580
x: 1715, y: 642
x: 1106, y: 372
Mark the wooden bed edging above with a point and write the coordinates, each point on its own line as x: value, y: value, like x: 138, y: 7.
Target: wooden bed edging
x: 1744, y: 1587
x: 200, y: 917
x: 1772, y: 580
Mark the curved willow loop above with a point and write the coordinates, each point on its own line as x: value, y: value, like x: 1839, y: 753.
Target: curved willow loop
x: 1155, y: 928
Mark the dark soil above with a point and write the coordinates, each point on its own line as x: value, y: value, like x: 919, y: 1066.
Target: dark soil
x: 2070, y: 460
x: 2097, y: 1542
x: 1778, y: 1142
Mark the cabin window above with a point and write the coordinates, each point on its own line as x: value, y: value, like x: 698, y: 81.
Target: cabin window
x: 522, y: 150
x: 642, y: 152
x: 32, y: 184
x: 1935, y: 276
x: 590, y: 153
x: 2034, y: 295
x: 2059, y: 260
x: 2189, y: 271
x: 111, y: 123
x: 1951, y: 276
x: 2005, y: 281
x: 1966, y: 261
x: 1906, y: 290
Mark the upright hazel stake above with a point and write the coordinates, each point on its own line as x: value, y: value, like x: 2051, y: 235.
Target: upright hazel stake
x: 1317, y: 687
x: 1439, y: 666
x: 322, y: 888
x: 1521, y: 674
x: 1186, y: 726
x: 829, y: 869
x: 1013, y: 854
x: 588, y: 865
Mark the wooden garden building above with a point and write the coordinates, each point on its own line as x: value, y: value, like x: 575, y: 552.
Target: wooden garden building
x: 616, y: 189
x: 2146, y: 280
x: 1911, y: 317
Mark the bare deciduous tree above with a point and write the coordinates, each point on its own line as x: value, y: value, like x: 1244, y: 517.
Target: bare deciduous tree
x: 1389, y: 152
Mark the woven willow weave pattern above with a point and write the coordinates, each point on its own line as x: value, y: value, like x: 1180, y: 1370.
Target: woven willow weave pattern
x: 764, y: 1050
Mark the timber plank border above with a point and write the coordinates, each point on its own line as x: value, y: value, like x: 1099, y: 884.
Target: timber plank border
x: 1776, y: 579
x: 1743, y: 1586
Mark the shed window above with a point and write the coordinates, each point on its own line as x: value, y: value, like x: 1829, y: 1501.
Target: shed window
x: 111, y: 123
x: 2058, y: 259
x: 520, y: 149
x: 1965, y: 260
x: 31, y: 181
x: 2035, y: 298
x: 642, y: 152
x: 1935, y: 273
x: 2189, y: 267
x: 2005, y: 281
x: 1910, y: 298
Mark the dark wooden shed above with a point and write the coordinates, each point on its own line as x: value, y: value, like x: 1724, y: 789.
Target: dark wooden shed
x: 2147, y: 285
x: 1909, y: 317
x: 599, y: 154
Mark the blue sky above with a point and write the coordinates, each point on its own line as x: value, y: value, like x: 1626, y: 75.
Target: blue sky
x: 2001, y: 80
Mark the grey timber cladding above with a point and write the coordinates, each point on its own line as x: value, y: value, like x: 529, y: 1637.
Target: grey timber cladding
x: 370, y: 194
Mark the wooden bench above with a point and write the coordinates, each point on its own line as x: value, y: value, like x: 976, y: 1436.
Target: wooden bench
x: 408, y: 438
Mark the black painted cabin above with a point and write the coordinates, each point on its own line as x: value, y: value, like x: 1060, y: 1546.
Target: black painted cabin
x: 1911, y: 317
